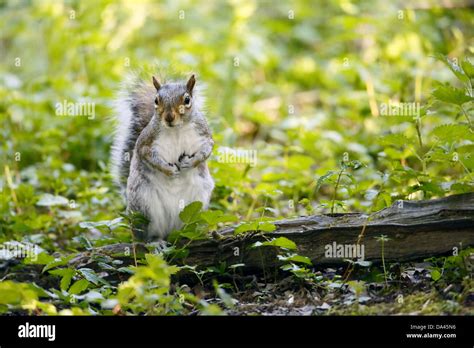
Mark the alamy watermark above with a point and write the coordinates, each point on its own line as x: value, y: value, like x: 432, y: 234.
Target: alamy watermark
x: 400, y: 109
x: 10, y: 250
x: 228, y: 155
x: 68, y: 108
x: 28, y: 330
x: 344, y: 251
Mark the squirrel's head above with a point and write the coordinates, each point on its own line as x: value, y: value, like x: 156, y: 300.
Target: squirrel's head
x: 174, y: 102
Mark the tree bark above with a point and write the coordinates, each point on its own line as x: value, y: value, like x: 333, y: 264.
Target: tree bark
x: 415, y: 230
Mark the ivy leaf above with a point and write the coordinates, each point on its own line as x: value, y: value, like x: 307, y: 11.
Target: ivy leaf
x: 452, y: 95
x: 190, y: 213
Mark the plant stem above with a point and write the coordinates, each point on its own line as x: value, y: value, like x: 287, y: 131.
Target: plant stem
x: 418, y: 131
x: 467, y: 116
x: 383, y: 263
x: 335, y: 190
x: 251, y: 208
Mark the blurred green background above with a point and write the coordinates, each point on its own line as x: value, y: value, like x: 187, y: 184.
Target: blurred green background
x: 301, y: 82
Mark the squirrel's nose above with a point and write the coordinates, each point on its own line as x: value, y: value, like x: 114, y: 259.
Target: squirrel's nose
x: 169, y: 118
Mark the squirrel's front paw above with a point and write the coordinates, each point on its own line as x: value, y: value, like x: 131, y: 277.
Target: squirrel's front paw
x: 186, y: 161
x: 173, y: 170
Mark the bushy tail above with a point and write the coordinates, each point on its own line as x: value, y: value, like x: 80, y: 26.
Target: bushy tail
x: 133, y: 110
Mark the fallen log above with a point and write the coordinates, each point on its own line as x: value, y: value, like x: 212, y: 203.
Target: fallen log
x: 415, y: 230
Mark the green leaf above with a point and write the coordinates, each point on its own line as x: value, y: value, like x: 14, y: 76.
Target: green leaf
x: 265, y: 226
x: 190, y: 213
x: 452, y: 95
x: 91, y: 276
x: 468, y: 67
x: 12, y: 293
x: 59, y: 262
x: 453, y: 66
x: 39, y: 259
x: 295, y: 258
x: 79, y: 286
x: 66, y: 279
x: 107, y: 223
x: 245, y: 227
x: 435, y: 274
x: 66, y: 274
x: 214, y: 217
x: 452, y: 133
x: 193, y: 232
x: 395, y: 139
x: 324, y: 178
x: 281, y: 242
x: 223, y: 295
x: 426, y: 187
x: 211, y: 216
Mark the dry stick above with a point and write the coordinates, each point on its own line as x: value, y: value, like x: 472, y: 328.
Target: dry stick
x: 350, y: 268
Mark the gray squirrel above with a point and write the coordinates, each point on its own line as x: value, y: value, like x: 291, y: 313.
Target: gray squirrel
x: 159, y: 153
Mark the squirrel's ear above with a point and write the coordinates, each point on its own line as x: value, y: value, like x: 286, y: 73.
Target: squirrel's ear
x: 156, y: 83
x: 190, y: 84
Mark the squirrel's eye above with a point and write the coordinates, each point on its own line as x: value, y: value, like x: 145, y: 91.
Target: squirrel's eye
x: 187, y: 100
x: 156, y: 101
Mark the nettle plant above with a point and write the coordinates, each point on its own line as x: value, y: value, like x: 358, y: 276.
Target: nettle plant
x: 436, y: 161
x: 342, y: 178
x: 415, y: 160
x: 201, y: 224
x: 291, y: 261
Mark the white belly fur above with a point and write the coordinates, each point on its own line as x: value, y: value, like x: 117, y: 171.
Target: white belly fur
x: 168, y: 196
